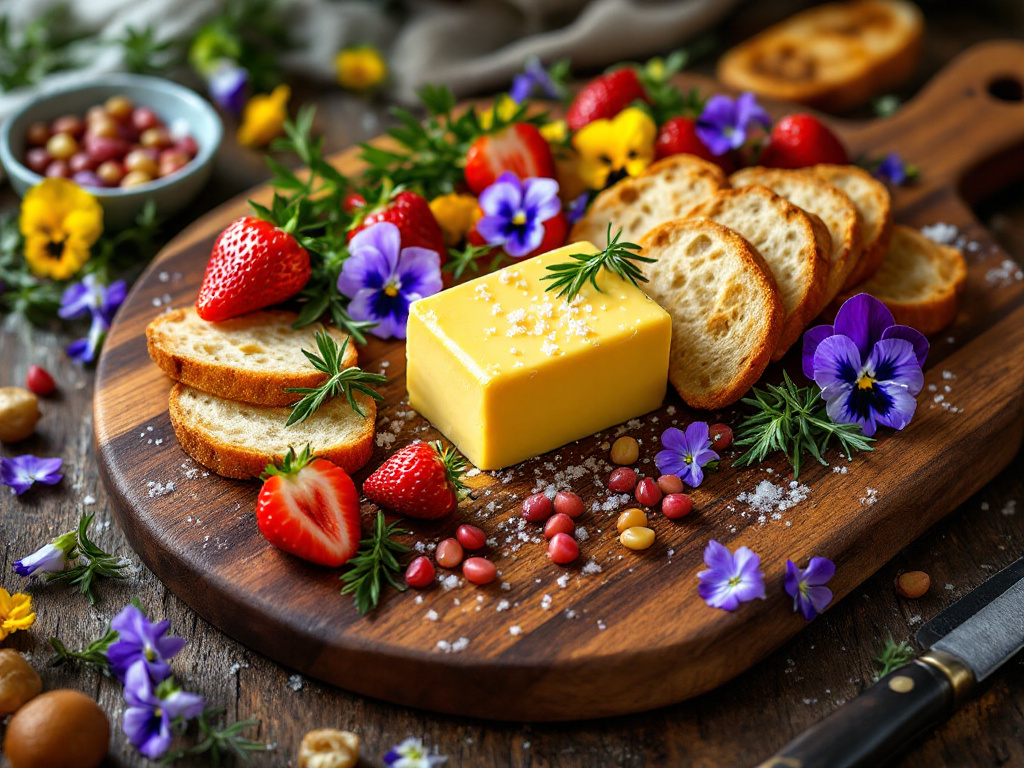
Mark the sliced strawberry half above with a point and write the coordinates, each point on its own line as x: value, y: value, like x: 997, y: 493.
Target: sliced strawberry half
x: 519, y: 148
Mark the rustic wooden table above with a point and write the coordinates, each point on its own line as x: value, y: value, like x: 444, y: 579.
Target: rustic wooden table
x: 738, y: 724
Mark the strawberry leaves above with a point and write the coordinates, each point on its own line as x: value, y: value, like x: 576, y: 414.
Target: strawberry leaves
x: 375, y: 564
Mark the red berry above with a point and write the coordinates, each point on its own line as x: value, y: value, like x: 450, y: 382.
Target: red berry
x: 471, y: 537
x: 187, y: 145
x: 560, y: 523
x: 72, y: 125
x: 670, y: 484
x: 352, y: 200
x: 622, y: 480
x: 102, y: 149
x: 420, y: 573
x: 563, y: 549
x: 421, y: 480
x: 37, y: 159
x: 519, y: 148
x: 798, y: 141
x: 721, y: 436
x: 604, y: 97
x: 144, y: 118
x: 676, y: 505
x: 449, y: 553
x: 414, y: 219
x: 647, y: 492
x: 37, y: 134
x: 537, y: 508
x: 80, y: 161
x: 568, y: 503
x: 58, y: 169
x: 39, y: 381
x: 678, y: 136
x: 479, y: 571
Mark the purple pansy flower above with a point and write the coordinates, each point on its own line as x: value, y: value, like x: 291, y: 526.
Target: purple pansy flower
x: 228, y: 85
x: 140, y: 641
x: 868, y: 368
x: 515, y: 212
x: 731, y: 578
x: 382, y: 278
x: 807, y: 587
x: 412, y: 754
x: 91, y: 297
x: 534, y: 80
x: 724, y: 123
x: 49, y: 558
x: 577, y: 208
x: 892, y: 169
x: 150, y: 711
x: 687, y: 454
x: 86, y: 349
x: 22, y: 472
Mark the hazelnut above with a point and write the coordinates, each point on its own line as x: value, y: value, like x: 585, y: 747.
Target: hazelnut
x: 328, y: 748
x: 64, y: 728
x: 18, y: 681
x: 913, y: 584
x: 19, y: 412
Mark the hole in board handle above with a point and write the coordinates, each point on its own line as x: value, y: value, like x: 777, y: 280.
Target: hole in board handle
x: 1006, y: 89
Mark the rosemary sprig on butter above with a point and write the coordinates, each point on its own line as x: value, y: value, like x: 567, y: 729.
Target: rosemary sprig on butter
x: 568, y: 278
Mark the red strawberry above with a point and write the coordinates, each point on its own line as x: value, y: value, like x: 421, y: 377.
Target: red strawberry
x: 421, y: 480
x: 352, y: 200
x: 678, y: 136
x: 414, y: 219
x: 605, y: 97
x: 253, y: 265
x: 309, y: 507
x: 519, y: 148
x: 798, y: 141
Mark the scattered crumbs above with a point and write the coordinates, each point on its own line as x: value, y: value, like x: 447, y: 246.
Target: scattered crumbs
x: 505, y: 586
x: 295, y: 682
x: 1009, y: 508
x: 581, y: 533
x: 418, y: 600
x: 159, y: 489
x: 459, y: 645
x: 941, y: 232
x: 503, y: 605
x: 473, y: 472
x: 948, y: 375
x: 590, y: 568
x: 1006, y: 273
x: 916, y: 619
x: 870, y: 496
x: 671, y: 410
x: 88, y: 501
x: 601, y: 626
x: 515, y: 630
x: 545, y: 602
x: 949, y: 587
x: 840, y: 470
x: 385, y: 439
x: 450, y: 581
x: 563, y: 581
x: 570, y: 613
x: 432, y: 615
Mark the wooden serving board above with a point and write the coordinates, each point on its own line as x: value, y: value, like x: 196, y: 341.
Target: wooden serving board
x: 618, y: 631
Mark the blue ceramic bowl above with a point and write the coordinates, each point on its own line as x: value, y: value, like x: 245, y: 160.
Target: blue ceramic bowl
x: 171, y: 102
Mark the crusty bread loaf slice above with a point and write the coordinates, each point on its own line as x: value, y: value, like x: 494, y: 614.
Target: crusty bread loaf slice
x: 874, y: 211
x: 784, y: 236
x: 667, y: 190
x: 725, y: 308
x: 251, y: 358
x: 824, y: 200
x: 238, y: 440
x: 919, y: 281
x: 835, y: 56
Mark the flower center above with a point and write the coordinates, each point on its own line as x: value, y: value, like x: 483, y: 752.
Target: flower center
x: 150, y: 654
x: 519, y: 219
x: 391, y: 289
x: 865, y: 382
x: 734, y: 581
x: 55, y: 250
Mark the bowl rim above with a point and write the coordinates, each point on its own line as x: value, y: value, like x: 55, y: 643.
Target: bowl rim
x: 144, y: 82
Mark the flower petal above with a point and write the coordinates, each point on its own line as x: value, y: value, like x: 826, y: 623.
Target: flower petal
x: 791, y: 581
x: 864, y: 319
x: 504, y: 194
x: 671, y: 462
x: 812, y: 338
x: 718, y: 558
x: 836, y: 361
x: 749, y: 111
x: 901, y: 409
x: 819, y: 597
x: 419, y: 271
x: 912, y: 335
x: 895, y: 361
x: 540, y: 199
x: 697, y: 437
x: 674, y: 439
x: 819, y: 571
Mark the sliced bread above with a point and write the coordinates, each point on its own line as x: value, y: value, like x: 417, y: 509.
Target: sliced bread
x: 667, y: 190
x: 874, y: 210
x: 784, y: 236
x: 825, y: 201
x: 919, y: 281
x: 834, y: 56
x: 725, y: 308
x: 251, y: 358
x: 239, y: 440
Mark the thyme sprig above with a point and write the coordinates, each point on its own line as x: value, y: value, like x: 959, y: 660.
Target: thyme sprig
x: 220, y: 743
x: 98, y: 564
x: 893, y: 656
x: 93, y: 655
x: 375, y: 563
x: 568, y: 278
x: 793, y: 420
x: 340, y: 380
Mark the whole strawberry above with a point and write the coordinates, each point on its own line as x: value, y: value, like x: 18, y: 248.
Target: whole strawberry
x: 519, y: 148
x: 421, y: 480
x: 604, y: 97
x: 678, y: 135
x: 799, y: 141
x: 414, y: 219
x: 253, y: 265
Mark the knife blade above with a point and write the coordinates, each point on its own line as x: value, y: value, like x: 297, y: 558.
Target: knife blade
x: 967, y: 642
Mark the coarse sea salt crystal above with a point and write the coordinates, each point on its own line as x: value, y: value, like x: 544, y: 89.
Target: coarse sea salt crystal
x: 590, y: 568
x: 432, y: 615
x: 545, y: 602
x: 295, y: 682
x: 515, y: 630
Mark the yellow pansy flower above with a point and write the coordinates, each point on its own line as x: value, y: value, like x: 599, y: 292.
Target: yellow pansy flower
x: 456, y: 214
x: 555, y: 132
x: 361, y: 68
x: 60, y: 221
x: 624, y: 143
x: 15, y: 612
x: 263, y: 118
x: 502, y: 110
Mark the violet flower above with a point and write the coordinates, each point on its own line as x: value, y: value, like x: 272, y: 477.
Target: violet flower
x: 91, y: 297
x: 892, y: 169
x: 807, y: 587
x: 533, y: 81
x: 22, y: 472
x: 412, y: 754
x: 868, y: 368
x: 686, y: 455
x: 731, y: 578
x: 151, y: 711
x: 382, y: 278
x: 49, y: 558
x: 87, y: 349
x: 577, y: 208
x: 724, y: 123
x: 228, y: 86
x: 140, y: 641
x: 515, y: 212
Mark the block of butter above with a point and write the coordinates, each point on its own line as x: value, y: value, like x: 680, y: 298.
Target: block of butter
x: 506, y: 371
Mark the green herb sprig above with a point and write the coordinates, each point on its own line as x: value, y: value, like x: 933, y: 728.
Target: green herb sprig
x: 98, y: 564
x: 93, y: 655
x: 375, y: 563
x: 568, y: 278
x: 793, y: 420
x: 220, y: 742
x: 893, y: 656
x: 29, y: 54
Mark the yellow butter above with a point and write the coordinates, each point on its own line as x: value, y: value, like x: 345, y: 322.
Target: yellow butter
x: 507, y: 371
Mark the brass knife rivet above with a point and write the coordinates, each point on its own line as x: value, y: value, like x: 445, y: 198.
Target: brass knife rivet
x: 901, y: 684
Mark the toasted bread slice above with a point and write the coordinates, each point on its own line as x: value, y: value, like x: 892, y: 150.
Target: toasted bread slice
x: 834, y: 57
x: 825, y: 201
x: 784, y: 236
x: 725, y: 307
x: 919, y: 281
x: 667, y: 190
x: 251, y: 358
x: 874, y: 211
x: 238, y: 440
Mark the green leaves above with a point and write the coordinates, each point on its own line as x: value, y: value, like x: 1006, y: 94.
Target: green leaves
x: 37, y: 49
x: 793, y: 420
x: 893, y: 656
x: 93, y: 655
x: 221, y: 742
x: 375, y: 563
x: 568, y: 278
x: 339, y: 380
x: 98, y: 564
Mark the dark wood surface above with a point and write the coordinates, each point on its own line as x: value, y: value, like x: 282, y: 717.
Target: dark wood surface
x: 737, y: 724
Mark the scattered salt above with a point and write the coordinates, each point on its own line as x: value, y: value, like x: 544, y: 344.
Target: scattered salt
x: 515, y: 630
x: 432, y: 615
x: 295, y: 682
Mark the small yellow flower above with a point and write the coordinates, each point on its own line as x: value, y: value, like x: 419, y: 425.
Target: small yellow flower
x: 361, y: 68
x: 263, y: 118
x: 60, y: 221
x: 624, y: 143
x: 502, y: 110
x: 456, y: 214
x: 555, y: 132
x: 15, y: 612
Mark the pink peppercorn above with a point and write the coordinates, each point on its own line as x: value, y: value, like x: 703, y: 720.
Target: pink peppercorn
x: 670, y: 484
x: 471, y: 537
x: 568, y: 503
x: 449, y: 553
x: 479, y: 571
x: 563, y: 549
x: 420, y: 573
x: 647, y: 492
x: 537, y: 508
x: 622, y: 480
x: 676, y: 505
x: 558, y: 523
x: 721, y: 436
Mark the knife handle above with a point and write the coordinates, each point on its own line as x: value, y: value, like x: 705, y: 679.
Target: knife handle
x: 877, y: 724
